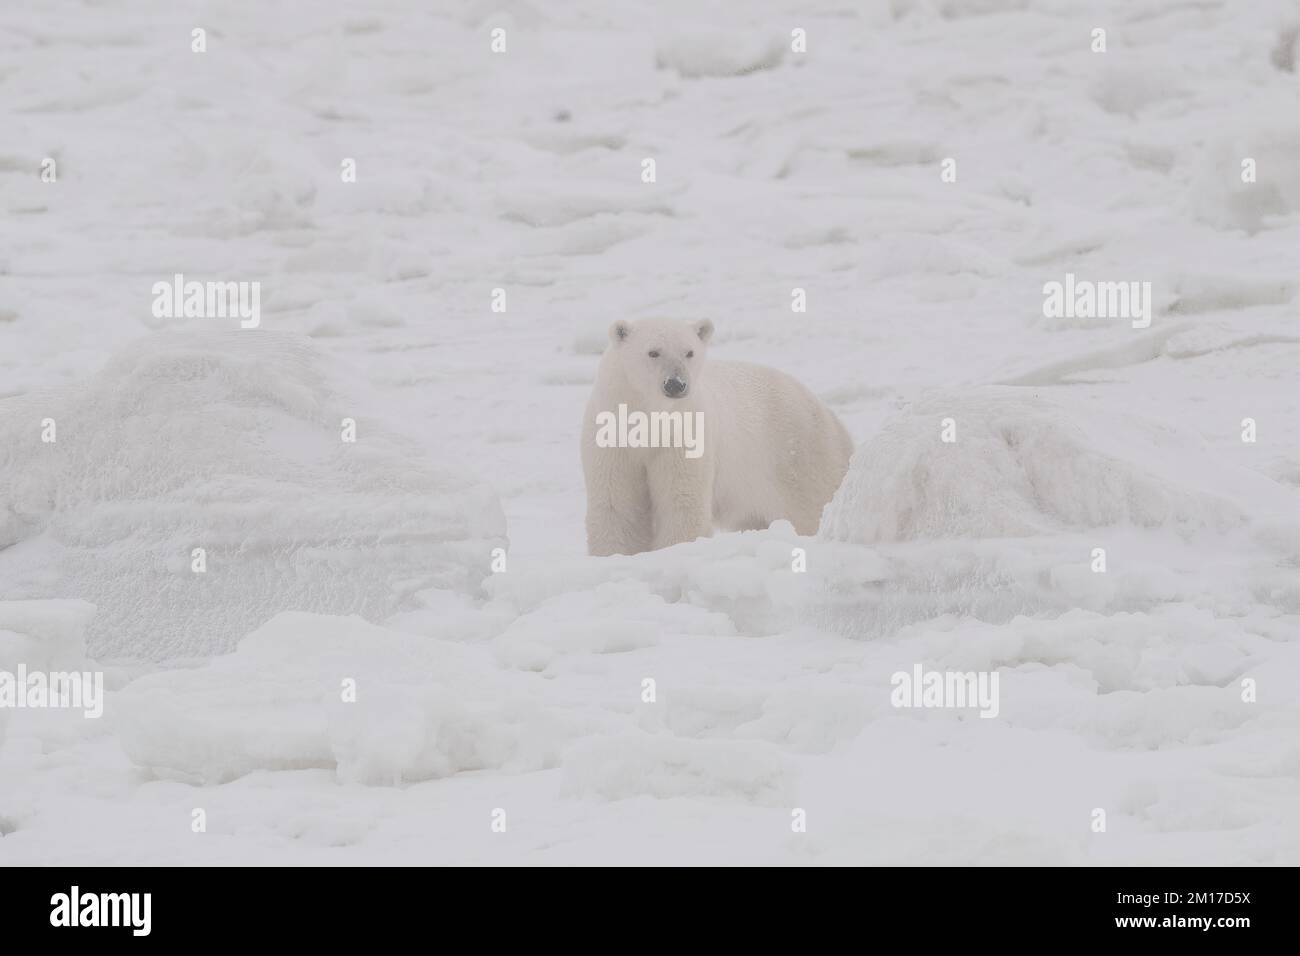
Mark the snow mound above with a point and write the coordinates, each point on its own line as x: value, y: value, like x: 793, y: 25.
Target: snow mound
x: 1226, y: 197
x: 1030, y: 507
x: 701, y: 53
x: 231, y: 443
x: 1018, y: 466
x: 731, y: 583
x: 422, y: 708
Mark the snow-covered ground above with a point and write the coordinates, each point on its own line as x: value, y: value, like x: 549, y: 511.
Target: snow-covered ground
x: 1162, y: 691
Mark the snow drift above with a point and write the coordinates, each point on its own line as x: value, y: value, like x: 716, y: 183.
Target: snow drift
x: 1011, y: 516
x: 228, y: 442
x: 1016, y: 466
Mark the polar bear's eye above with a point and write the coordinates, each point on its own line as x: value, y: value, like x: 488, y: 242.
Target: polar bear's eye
x: 654, y: 354
x: 690, y: 354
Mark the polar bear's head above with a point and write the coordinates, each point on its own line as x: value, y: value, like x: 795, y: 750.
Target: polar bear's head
x: 661, y: 357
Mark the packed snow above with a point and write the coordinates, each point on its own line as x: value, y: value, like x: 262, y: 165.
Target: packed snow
x: 399, y: 651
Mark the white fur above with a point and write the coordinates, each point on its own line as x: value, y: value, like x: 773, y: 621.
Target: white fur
x: 770, y: 449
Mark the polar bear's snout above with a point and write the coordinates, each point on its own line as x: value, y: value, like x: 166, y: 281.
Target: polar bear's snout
x: 675, y: 386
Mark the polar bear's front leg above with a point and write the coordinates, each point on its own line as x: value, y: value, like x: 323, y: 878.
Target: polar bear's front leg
x: 681, y: 497
x: 616, y: 529
x: 618, y: 503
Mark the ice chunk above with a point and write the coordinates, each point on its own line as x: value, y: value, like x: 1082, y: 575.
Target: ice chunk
x: 308, y: 690
x: 696, y: 53
x: 44, y: 635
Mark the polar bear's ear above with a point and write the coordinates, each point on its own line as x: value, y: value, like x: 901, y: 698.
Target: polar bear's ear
x: 619, y: 331
x: 704, y: 329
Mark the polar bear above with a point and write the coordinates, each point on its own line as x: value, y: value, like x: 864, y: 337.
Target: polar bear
x: 674, y: 445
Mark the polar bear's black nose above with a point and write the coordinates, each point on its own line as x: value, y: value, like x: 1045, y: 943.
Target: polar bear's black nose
x: 674, y: 387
